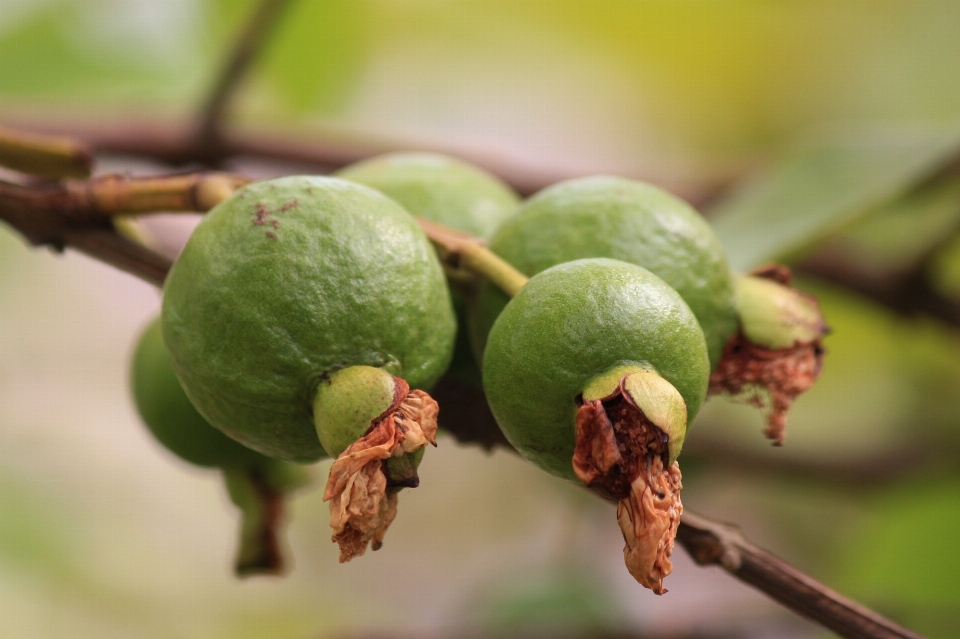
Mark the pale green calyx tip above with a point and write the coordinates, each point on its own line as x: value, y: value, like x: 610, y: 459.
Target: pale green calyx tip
x: 607, y: 383
x: 775, y: 316
x: 347, y: 403
x: 661, y: 403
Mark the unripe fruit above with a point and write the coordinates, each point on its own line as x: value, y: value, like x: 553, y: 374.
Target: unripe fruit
x: 593, y: 371
x: 288, y: 281
x: 283, y: 285
x: 626, y: 220
x: 452, y: 193
x: 440, y: 189
x: 256, y: 484
x: 171, y: 417
x: 641, y: 224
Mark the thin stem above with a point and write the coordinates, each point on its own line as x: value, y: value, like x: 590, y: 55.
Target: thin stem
x: 45, y: 156
x: 262, y: 516
x: 174, y: 142
x: 468, y: 253
x: 113, y: 194
x: 103, y: 197
x: 107, y: 245
x: 708, y: 542
x: 246, y: 48
x: 711, y: 543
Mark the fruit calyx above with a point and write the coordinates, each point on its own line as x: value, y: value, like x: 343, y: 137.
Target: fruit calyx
x: 629, y: 430
x: 777, y: 353
x: 367, y: 475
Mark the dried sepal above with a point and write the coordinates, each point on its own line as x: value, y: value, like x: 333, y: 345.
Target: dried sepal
x: 649, y: 518
x: 777, y: 353
x: 771, y: 380
x: 621, y: 454
x: 362, y: 505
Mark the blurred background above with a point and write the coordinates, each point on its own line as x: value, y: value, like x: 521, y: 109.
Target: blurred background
x: 821, y: 133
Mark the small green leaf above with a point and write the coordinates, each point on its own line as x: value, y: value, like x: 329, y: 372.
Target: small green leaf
x: 822, y: 188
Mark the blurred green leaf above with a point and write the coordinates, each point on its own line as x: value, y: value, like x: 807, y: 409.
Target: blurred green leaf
x: 96, y: 51
x: 822, y: 188
x: 562, y: 603
x: 903, y: 557
x: 894, y: 236
x: 317, y: 54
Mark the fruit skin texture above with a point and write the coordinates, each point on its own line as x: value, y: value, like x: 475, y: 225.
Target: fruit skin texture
x: 623, y: 219
x: 171, y: 417
x: 440, y: 189
x: 450, y: 192
x: 288, y: 281
x: 571, y: 323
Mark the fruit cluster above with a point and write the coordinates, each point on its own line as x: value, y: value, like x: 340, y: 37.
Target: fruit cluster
x: 308, y: 317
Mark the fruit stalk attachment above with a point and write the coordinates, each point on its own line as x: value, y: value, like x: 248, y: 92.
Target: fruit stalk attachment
x: 630, y: 428
x: 377, y: 427
x: 259, y: 492
x: 777, y: 353
x: 462, y: 252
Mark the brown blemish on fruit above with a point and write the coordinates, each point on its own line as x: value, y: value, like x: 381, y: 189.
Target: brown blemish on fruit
x: 620, y: 454
x: 362, y: 505
x: 260, y: 215
x: 769, y: 379
x: 270, y: 235
x: 294, y: 203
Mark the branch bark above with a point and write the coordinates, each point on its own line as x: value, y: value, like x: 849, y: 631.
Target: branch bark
x: 246, y: 48
x: 711, y: 543
x: 46, y: 156
x: 173, y: 143
x: 70, y: 214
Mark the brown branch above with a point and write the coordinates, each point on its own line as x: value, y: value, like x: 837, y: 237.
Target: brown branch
x: 45, y: 156
x: 109, y: 195
x: 711, y: 543
x: 908, y: 294
x: 107, y: 245
x: 248, y: 45
x: 174, y: 143
x: 63, y: 215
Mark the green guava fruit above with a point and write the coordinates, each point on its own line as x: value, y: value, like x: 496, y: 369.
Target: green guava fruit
x: 593, y: 371
x: 622, y: 219
x: 571, y: 323
x: 171, y: 417
x: 452, y: 193
x: 440, y: 189
x: 257, y: 484
x: 288, y: 281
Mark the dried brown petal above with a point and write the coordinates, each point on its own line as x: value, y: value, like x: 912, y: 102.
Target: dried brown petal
x: 769, y: 379
x: 596, y: 450
x: 361, y: 510
x: 648, y: 519
x: 620, y: 454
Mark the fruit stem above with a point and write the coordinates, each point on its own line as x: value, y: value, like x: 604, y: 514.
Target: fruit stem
x: 200, y: 191
x: 466, y: 252
x: 46, y: 156
x: 259, y: 493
